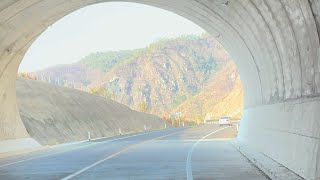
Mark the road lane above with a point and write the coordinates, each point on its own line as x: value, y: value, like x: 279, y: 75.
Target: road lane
x: 190, y: 152
x: 155, y: 155
x: 219, y: 159
x: 114, y: 155
x: 70, y: 159
x: 166, y: 158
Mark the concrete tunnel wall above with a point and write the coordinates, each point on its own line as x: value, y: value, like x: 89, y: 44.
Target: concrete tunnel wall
x: 275, y: 44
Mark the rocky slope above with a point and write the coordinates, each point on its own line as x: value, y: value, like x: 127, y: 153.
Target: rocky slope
x: 222, y: 96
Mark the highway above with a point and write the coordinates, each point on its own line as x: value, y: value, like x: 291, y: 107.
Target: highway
x: 201, y: 152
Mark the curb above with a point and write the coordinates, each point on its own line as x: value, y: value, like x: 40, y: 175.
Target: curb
x: 24, y: 151
x: 267, y: 165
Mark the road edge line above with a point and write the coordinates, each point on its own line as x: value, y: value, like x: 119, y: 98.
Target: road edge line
x: 189, y: 157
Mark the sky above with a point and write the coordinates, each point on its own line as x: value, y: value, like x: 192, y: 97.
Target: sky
x: 103, y: 27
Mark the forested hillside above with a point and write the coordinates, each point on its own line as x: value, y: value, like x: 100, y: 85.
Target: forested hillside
x: 190, y: 74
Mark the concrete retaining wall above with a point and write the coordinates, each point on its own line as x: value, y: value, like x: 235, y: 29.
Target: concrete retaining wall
x: 288, y: 133
x: 54, y: 114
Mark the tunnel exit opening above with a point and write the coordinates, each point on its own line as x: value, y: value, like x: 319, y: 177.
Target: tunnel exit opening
x: 278, y: 63
x: 181, y: 78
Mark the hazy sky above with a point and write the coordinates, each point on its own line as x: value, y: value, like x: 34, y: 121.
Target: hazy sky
x: 103, y: 27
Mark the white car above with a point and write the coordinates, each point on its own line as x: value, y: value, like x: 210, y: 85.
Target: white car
x: 224, y: 121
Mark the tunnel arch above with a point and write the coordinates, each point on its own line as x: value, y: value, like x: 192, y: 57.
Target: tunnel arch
x: 274, y: 43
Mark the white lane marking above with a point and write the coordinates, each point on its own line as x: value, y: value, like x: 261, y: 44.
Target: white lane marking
x: 68, y: 144
x: 144, y: 133
x: 47, y: 155
x: 116, y: 154
x: 189, y: 158
x: 195, y: 140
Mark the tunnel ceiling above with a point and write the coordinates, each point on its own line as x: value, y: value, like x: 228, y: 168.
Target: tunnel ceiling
x: 273, y: 42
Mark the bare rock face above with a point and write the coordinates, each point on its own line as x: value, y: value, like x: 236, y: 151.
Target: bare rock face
x: 54, y: 115
x: 222, y: 96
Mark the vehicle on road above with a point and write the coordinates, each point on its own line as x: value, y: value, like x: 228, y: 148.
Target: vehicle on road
x: 225, y: 120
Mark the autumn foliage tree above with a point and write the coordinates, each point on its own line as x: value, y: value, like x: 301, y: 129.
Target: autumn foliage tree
x: 143, y: 107
x: 27, y: 75
x: 100, y: 91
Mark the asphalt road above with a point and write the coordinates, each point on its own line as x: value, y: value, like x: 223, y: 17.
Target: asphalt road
x: 202, y: 152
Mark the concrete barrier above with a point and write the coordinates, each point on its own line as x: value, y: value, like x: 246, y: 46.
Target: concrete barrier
x: 289, y: 133
x: 54, y: 115
x: 19, y: 146
x: 270, y: 167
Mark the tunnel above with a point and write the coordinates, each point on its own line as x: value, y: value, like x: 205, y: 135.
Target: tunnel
x: 275, y: 45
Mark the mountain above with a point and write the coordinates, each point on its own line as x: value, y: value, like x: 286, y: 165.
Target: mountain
x: 190, y: 74
x: 222, y: 96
